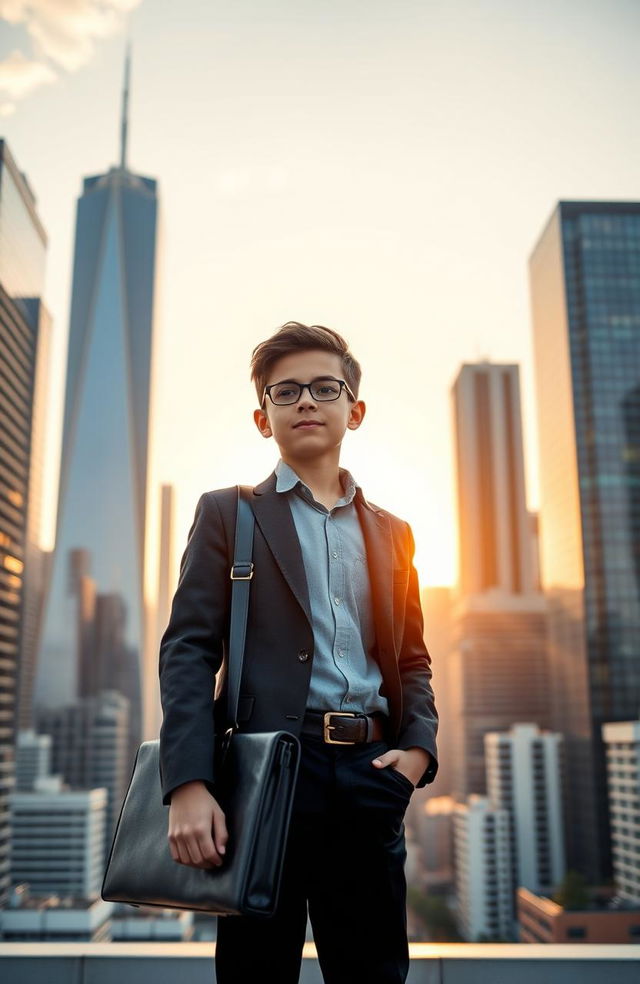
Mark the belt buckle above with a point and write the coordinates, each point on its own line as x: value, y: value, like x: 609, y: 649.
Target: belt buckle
x: 330, y: 727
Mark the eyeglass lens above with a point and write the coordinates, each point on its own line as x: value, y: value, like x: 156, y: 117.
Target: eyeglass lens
x: 321, y: 390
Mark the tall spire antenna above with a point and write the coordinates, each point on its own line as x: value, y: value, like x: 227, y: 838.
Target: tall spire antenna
x: 124, y: 125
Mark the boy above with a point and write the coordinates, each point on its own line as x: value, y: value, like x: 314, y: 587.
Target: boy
x: 334, y: 625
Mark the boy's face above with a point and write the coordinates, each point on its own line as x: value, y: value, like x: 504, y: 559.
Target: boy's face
x: 308, y: 429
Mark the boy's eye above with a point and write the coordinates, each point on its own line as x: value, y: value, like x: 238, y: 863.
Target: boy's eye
x: 326, y: 389
x: 284, y: 391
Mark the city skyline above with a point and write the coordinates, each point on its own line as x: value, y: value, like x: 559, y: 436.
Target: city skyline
x: 397, y: 203
x: 535, y: 645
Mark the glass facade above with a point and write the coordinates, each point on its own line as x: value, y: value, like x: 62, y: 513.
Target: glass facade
x: 98, y: 565
x: 22, y: 257
x: 585, y: 288
x: 22, y: 238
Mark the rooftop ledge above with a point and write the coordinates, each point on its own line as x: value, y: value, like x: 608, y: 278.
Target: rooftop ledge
x: 431, y: 963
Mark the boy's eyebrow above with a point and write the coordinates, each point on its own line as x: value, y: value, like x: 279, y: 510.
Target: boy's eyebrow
x: 292, y: 380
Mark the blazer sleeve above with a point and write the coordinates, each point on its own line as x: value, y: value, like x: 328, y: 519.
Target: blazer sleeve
x: 420, y: 717
x: 191, y: 652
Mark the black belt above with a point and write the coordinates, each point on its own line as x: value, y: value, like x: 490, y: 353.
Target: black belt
x: 344, y: 727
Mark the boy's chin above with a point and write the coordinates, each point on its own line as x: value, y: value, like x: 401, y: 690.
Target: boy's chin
x: 307, y: 448
x: 302, y: 453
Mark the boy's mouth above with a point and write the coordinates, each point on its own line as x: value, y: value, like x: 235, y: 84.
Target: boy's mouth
x: 308, y: 423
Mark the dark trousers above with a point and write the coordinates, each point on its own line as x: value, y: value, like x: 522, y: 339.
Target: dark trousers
x: 344, y: 860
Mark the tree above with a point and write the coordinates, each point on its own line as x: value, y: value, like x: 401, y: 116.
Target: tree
x: 435, y: 915
x: 572, y: 892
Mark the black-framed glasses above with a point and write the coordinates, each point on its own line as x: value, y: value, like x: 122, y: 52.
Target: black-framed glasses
x: 323, y: 389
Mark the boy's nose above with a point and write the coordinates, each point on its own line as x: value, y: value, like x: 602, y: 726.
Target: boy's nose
x: 306, y: 401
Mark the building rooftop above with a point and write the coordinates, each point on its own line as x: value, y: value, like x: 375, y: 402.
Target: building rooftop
x: 431, y: 963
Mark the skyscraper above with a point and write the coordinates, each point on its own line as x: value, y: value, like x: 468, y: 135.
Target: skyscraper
x: 483, y: 852
x: 585, y: 296
x: 33, y: 759
x: 58, y: 839
x: 495, y: 535
x: 496, y: 667
x: 622, y: 741
x: 24, y: 328
x: 88, y: 747
x: 102, y: 506
x: 523, y: 777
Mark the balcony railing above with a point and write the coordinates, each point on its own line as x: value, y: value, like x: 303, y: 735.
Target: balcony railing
x: 431, y: 963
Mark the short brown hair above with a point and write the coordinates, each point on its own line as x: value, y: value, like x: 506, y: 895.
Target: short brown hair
x: 296, y: 337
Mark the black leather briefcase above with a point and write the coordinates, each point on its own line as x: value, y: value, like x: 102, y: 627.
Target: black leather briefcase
x: 255, y: 779
x: 255, y: 792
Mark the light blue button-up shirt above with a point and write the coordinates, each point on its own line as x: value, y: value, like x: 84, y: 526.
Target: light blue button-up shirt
x: 345, y: 675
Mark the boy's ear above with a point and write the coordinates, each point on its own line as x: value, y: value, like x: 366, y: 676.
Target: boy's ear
x: 262, y: 423
x: 356, y: 414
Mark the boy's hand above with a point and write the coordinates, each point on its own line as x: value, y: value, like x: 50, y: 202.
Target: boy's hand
x: 411, y: 762
x: 193, y: 815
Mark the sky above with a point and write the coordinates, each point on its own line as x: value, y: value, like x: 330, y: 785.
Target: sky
x: 381, y: 168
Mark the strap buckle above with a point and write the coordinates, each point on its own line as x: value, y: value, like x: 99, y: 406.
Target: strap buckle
x: 246, y: 567
x: 332, y: 727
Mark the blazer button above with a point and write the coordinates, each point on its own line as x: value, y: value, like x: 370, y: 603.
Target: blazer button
x: 303, y: 655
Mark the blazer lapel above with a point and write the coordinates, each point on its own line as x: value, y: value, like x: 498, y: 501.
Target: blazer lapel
x: 274, y: 518
x: 376, y: 530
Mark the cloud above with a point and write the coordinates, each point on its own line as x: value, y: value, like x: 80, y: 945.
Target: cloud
x: 63, y: 35
x: 19, y: 76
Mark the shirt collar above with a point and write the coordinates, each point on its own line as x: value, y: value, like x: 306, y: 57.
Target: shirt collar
x: 287, y: 479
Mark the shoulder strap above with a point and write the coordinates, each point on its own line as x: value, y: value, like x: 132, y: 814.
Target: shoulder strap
x: 241, y: 574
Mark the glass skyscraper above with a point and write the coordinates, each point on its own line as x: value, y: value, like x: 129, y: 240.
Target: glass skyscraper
x: 24, y: 333
x: 585, y: 292
x: 93, y: 637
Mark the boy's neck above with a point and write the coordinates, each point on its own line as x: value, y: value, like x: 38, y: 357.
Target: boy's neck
x: 322, y: 476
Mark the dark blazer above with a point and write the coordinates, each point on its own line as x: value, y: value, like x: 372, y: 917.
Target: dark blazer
x: 279, y: 643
